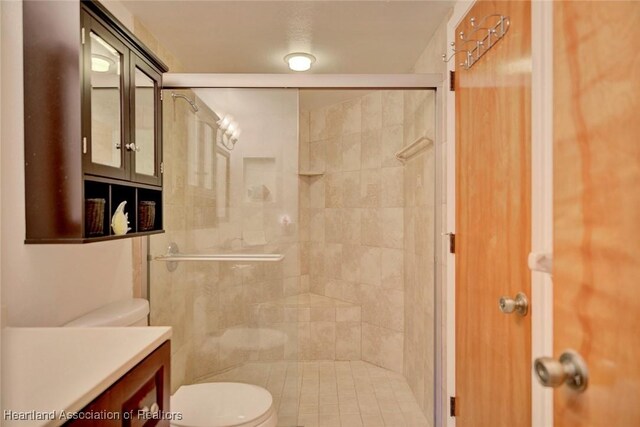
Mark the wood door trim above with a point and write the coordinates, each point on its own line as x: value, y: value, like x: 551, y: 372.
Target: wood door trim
x: 541, y: 199
x: 460, y: 10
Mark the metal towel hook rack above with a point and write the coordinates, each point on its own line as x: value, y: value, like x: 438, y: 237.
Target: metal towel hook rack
x: 455, y: 53
x: 489, y: 36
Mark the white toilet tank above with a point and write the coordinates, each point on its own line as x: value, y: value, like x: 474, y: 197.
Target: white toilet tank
x: 129, y: 312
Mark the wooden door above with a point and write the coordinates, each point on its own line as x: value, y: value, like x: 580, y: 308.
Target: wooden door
x: 596, y: 267
x: 493, y: 225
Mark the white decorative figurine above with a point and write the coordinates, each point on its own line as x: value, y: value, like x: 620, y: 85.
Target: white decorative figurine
x: 120, y: 220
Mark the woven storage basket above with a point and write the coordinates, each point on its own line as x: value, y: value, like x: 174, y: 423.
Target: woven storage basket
x: 94, y: 216
x: 146, y: 215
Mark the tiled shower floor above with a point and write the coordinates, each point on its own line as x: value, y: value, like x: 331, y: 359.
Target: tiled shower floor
x: 330, y: 394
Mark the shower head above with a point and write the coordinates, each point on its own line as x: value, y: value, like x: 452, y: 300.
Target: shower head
x: 191, y: 102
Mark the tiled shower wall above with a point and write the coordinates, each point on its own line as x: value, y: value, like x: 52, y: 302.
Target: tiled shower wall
x: 421, y: 211
x: 356, y: 216
x: 419, y: 243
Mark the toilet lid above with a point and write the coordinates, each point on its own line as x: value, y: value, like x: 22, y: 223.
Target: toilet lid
x: 220, y: 404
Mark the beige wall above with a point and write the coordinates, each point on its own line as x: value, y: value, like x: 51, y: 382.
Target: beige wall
x: 44, y: 285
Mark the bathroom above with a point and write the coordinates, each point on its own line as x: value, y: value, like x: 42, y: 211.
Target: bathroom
x: 348, y: 245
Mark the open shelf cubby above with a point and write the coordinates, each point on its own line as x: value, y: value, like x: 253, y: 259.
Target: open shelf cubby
x: 114, y: 193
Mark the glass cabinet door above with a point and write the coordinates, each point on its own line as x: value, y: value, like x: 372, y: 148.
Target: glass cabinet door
x: 145, y: 126
x: 105, y: 110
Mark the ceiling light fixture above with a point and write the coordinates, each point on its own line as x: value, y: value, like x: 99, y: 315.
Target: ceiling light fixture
x: 299, y: 61
x: 100, y: 64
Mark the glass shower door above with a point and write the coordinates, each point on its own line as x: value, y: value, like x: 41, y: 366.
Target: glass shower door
x: 230, y: 187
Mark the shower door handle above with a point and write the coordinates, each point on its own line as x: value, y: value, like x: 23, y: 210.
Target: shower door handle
x: 519, y: 305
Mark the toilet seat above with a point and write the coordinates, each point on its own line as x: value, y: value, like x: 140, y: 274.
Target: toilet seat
x: 223, y: 405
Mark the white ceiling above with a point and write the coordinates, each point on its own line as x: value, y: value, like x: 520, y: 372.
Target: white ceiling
x: 254, y: 36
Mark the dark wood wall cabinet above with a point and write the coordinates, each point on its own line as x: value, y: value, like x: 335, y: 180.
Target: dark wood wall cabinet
x: 93, y: 125
x: 139, y: 398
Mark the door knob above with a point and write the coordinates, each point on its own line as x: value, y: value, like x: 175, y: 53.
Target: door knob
x: 571, y: 370
x: 519, y: 305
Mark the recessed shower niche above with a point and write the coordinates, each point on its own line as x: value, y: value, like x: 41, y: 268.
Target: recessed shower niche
x: 260, y: 179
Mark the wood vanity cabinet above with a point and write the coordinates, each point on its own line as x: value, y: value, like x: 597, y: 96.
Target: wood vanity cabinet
x: 144, y: 390
x: 93, y: 124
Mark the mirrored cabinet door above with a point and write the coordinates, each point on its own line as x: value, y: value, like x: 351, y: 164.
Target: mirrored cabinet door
x: 145, y: 96
x: 105, y: 112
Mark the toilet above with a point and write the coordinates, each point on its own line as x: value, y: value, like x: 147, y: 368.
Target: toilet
x: 201, y: 405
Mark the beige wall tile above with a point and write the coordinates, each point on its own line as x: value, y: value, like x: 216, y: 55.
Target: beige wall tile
x: 352, y: 117
x: 335, y: 120
x: 348, y: 314
x: 303, y: 147
x: 392, y: 268
x: 372, y: 111
x: 316, y: 224
x: 384, y: 308
x: 304, y: 314
x: 351, y: 226
x: 351, y: 151
x: 392, y: 107
x: 348, y: 340
x: 317, y: 155
x: 371, y: 149
x: 351, y: 189
x: 316, y: 193
x: 334, y: 154
x: 392, y: 142
x: 370, y: 188
x: 392, y: 179
x: 333, y: 225
x: 371, y: 227
x: 370, y: 266
x: 318, y: 125
x: 351, y: 255
x: 333, y: 288
x: 327, y: 314
x: 342, y: 290
x: 333, y: 260
x: 318, y: 284
x: 316, y: 260
x: 304, y: 284
x: 323, y: 338
x: 392, y: 227
x: 305, y: 341
x: 334, y: 189
x: 382, y: 347
x: 303, y: 126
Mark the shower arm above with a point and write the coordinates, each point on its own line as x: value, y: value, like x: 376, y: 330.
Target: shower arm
x: 191, y: 102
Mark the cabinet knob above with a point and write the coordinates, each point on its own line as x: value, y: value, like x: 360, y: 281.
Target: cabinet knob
x: 132, y: 147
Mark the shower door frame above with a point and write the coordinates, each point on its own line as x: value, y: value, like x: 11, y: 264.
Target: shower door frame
x: 432, y: 81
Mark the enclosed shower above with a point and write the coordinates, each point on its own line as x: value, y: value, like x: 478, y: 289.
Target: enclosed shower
x: 300, y: 250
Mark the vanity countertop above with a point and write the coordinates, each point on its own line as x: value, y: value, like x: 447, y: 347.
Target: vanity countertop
x: 64, y: 369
